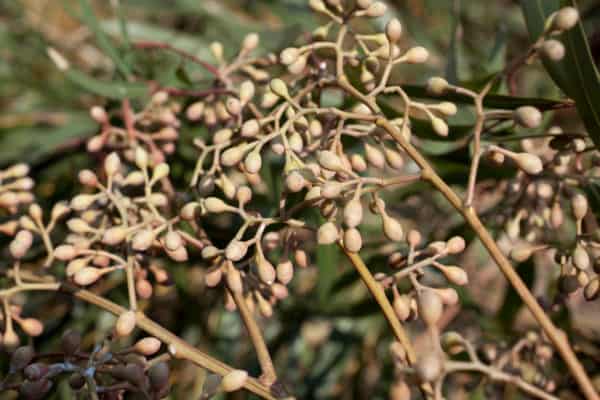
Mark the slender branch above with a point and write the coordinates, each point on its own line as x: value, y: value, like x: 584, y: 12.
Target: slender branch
x: 555, y: 335
x: 178, y: 347
x: 269, y: 375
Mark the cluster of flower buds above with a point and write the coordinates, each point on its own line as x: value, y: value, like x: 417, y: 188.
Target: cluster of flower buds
x: 559, y: 22
x: 15, y: 191
x: 155, y: 129
x: 121, y: 221
x: 104, y: 373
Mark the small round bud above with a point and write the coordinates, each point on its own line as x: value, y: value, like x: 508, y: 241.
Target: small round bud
x: 114, y: 235
x: 142, y: 240
x: 253, y: 162
x: 233, y: 155
x: 295, y: 182
x: 112, y: 164
x: 141, y: 158
x: 376, y: 10
x: 247, y: 91
x: 234, y: 106
x: 430, y: 306
x: 553, y: 50
x: 279, y: 88
x: 352, y: 240
x: 530, y: 163
x: 330, y: 161
x: 250, y: 42
x: 234, y: 380
x: 455, y: 245
x: 125, y: 324
x: 88, y: 178
x: 393, y: 30
x: 565, y: 19
x: 392, y: 229
x: 439, y: 126
x: 429, y: 366
x: 65, y: 252
x: 437, y: 85
x: 527, y: 117
x: 236, y: 250
x: 289, y: 55
x: 160, y: 171
x: 327, y: 233
x: 86, y: 276
x: 581, y: 258
x: 285, y: 271
x: 250, y: 128
x: 195, y: 111
x: 579, y: 204
x: 416, y: 55
x: 216, y: 48
x: 216, y: 205
x: 147, y: 346
x: 353, y: 213
x: 32, y: 326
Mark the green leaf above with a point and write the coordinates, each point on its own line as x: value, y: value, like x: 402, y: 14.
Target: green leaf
x: 89, y: 17
x: 576, y: 74
x: 112, y: 90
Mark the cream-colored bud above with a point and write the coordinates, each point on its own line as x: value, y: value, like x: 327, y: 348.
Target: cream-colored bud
x: 353, y: 213
x: 416, y: 55
x: 234, y: 380
x: 429, y: 366
x: 82, y: 201
x: 87, y: 178
x: 236, y: 250
x: 295, y: 182
x: 112, y: 164
x: 430, y: 306
x: 401, y: 306
x: 439, y: 126
x: 32, y: 326
x: 358, y: 163
x: 331, y: 190
x: 142, y: 240
x: 141, y: 157
x: 216, y: 48
x: 147, y: 346
x: 114, y: 235
x: 352, y: 240
x: 455, y: 275
x: 455, y: 245
x: 244, y: 194
x: 376, y: 10
x: 527, y: 116
x: 579, y: 204
x: 315, y: 128
x: 530, y: 163
x: 581, y: 258
x: 285, y: 271
x: 125, y: 324
x: 269, y: 99
x: 521, y: 253
x: 553, y: 50
x: 65, y: 252
x: 247, y: 91
x: 216, y: 205
x: 250, y: 41
x: 392, y: 229
x: 565, y: 19
x: 266, y: 271
x: 437, y: 85
x: 374, y: 156
x: 99, y: 114
x: 327, y: 233
x: 330, y: 161
x: 289, y: 55
x: 250, y: 128
x: 86, y: 275
x: 393, y: 30
x: 317, y: 5
x: 253, y: 162
x: 279, y: 88
x: 233, y: 155
x: 78, y: 225
x: 234, y: 106
x: 195, y: 111
x: 213, y: 277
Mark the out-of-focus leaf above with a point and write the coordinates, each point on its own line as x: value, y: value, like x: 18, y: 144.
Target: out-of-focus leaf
x: 327, y: 262
x: 33, y: 144
x: 111, y: 90
x: 89, y: 17
x: 452, y: 64
x: 576, y: 73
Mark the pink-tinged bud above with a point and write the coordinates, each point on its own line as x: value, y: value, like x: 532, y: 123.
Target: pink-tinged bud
x: 99, y: 114
x: 352, y: 240
x: 143, y: 288
x: 179, y: 255
x: 87, y: 275
x: 234, y: 380
x: 32, y: 326
x: 285, y: 271
x: 173, y: 241
x: 65, y: 252
x: 95, y: 143
x: 213, y: 277
x: 195, y: 111
x: 236, y: 250
x: 125, y: 324
x: 455, y: 245
x: 114, y: 235
x: 147, y: 346
x: 579, y: 204
x: 142, y: 240
x: 295, y: 182
x: 112, y: 164
x: 393, y: 30
x: 88, y: 178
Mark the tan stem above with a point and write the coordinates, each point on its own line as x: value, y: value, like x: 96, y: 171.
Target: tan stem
x: 556, y: 336
x: 269, y: 375
x: 177, y: 346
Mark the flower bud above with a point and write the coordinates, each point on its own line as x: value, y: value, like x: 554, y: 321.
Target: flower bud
x: 65, y: 252
x: 455, y: 245
x: 266, y: 271
x: 416, y: 55
x: 439, y: 126
x: 553, y: 50
x: 437, y: 85
x: 393, y: 30
x: 530, y: 163
x: 592, y: 289
x: 234, y: 380
x: 285, y: 271
x: 143, y: 288
x: 376, y: 10
x: 87, y: 275
x: 88, y: 178
x: 374, y: 156
x: 173, y: 241
x: 213, y: 277
x: 125, y: 323
x: 147, y: 346
x: 455, y: 275
x: 112, y: 164
x: 250, y: 42
x: 253, y: 162
x: 114, y: 235
x: 353, y: 213
x: 233, y: 155
x: 250, y: 128
x: 565, y: 19
x: 160, y: 171
x: 392, y: 229
x: 216, y: 48
x: 352, y: 240
x: 236, y: 250
x: 327, y: 233
x: 317, y: 5
x: 179, y: 255
x: 581, y: 258
x: 579, y: 204
x: 32, y: 326
x: 330, y: 161
x: 294, y: 182
x: 247, y: 91
x: 289, y: 56
x: 429, y: 366
x: 141, y: 158
x: 195, y: 111
x: 233, y: 106
x: 521, y: 253
x: 216, y: 205
x: 527, y: 117
x: 430, y: 307
x: 401, y: 306
x: 279, y: 88
x: 142, y: 240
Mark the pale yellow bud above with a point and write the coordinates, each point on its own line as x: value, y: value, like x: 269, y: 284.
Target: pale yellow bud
x: 374, y: 156
x: 376, y: 10
x: 279, y: 88
x: 330, y: 161
x: 114, y: 235
x: 579, y: 204
x: 65, y: 252
x: 352, y: 240
x: 530, y: 163
x: 216, y: 205
x: 392, y: 229
x: 250, y: 42
x: 416, y: 55
x: 125, y: 324
x: 437, y: 85
x: 141, y: 158
x: 253, y: 162
x: 112, y: 164
x: 430, y: 306
x: 234, y: 380
x: 327, y: 233
x: 236, y: 250
x: 565, y: 19
x: 147, y: 346
x: 247, y: 91
x: 393, y: 30
x: 142, y: 240
x: 527, y: 116
x: 289, y: 55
